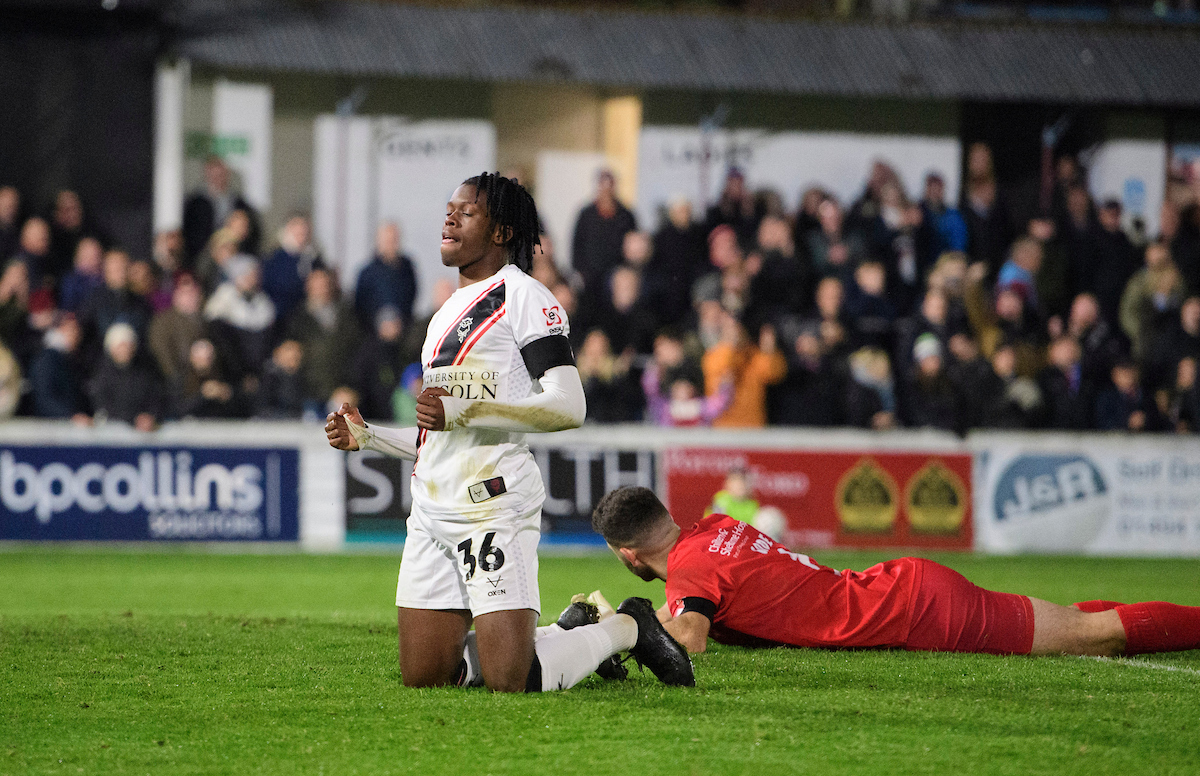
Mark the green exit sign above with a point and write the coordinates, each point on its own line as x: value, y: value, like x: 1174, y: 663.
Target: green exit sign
x: 198, y: 145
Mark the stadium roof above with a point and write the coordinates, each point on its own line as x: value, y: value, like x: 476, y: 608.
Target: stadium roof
x: 1039, y: 63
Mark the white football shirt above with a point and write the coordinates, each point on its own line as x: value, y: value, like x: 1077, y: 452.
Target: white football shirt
x: 473, y: 350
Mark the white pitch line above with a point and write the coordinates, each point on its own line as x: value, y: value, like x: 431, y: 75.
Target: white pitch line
x: 1124, y: 661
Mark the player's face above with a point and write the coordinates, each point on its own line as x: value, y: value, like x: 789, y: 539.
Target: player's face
x: 637, y: 568
x: 467, y: 233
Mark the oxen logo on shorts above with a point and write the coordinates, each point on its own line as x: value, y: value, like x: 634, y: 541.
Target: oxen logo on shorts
x: 464, y: 328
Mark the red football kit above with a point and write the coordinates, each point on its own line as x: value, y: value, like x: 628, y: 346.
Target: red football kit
x: 757, y: 593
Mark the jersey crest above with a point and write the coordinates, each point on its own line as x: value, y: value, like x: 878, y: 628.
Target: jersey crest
x: 464, y: 328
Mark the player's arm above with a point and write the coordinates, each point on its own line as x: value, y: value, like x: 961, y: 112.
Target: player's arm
x: 691, y: 630
x: 691, y: 627
x: 346, y: 430
x: 560, y: 405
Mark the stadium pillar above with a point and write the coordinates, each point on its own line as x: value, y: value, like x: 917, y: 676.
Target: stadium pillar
x: 622, y: 128
x: 170, y: 87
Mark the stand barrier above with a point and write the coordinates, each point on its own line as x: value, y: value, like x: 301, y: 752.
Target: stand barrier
x: 252, y: 482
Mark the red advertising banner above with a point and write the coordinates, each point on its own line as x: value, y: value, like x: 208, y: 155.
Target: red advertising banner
x: 813, y: 499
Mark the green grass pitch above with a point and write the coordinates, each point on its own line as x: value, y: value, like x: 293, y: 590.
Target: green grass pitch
x: 192, y: 663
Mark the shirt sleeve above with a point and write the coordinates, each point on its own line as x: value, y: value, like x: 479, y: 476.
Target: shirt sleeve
x: 396, y: 442
x: 535, y: 313
x: 700, y: 606
x: 694, y: 574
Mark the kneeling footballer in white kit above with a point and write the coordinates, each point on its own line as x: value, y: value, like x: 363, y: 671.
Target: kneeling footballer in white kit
x: 471, y: 549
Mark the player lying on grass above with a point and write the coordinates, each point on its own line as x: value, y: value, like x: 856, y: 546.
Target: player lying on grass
x: 496, y: 363
x: 728, y: 581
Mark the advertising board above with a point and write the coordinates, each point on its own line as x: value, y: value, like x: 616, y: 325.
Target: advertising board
x: 378, y: 494
x: 370, y: 169
x: 835, y: 498
x: 88, y: 493
x: 684, y: 161
x: 1105, y: 497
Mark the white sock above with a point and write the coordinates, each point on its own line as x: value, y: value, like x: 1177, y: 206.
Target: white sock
x: 568, y: 656
x: 566, y: 659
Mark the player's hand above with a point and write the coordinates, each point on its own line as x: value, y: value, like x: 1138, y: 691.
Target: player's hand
x: 337, y: 430
x: 431, y: 415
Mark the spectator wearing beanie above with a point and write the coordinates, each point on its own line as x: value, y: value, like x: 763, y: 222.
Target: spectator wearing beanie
x: 240, y: 318
x: 123, y: 388
x: 931, y: 400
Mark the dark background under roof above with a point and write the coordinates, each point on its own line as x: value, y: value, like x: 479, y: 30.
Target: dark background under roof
x: 1098, y: 64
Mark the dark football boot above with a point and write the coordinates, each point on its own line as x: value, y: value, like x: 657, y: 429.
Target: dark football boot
x: 656, y: 649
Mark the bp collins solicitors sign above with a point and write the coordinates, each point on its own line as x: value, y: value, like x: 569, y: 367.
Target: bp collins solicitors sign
x: 149, y: 494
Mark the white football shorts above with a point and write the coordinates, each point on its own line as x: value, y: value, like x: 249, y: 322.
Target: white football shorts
x: 484, y: 566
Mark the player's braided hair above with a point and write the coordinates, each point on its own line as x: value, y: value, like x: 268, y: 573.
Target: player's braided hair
x: 628, y: 516
x: 511, y: 207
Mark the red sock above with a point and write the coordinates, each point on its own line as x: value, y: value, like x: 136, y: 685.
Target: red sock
x: 1160, y: 627
x: 1097, y: 606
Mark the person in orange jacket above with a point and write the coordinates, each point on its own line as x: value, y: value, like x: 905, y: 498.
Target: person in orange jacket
x: 751, y: 370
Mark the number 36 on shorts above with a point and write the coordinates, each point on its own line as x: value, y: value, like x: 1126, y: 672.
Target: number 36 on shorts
x: 490, y: 557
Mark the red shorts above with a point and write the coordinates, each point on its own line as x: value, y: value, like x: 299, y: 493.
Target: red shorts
x: 950, y: 614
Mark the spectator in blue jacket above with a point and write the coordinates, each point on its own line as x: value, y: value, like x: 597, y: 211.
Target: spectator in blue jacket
x: 55, y: 374
x: 942, y: 227
x: 284, y: 271
x: 86, y: 275
x: 1122, y: 406
x: 389, y: 280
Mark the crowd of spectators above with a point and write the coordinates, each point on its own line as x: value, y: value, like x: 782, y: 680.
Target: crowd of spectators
x: 879, y: 313
x: 210, y: 326
x: 890, y: 312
